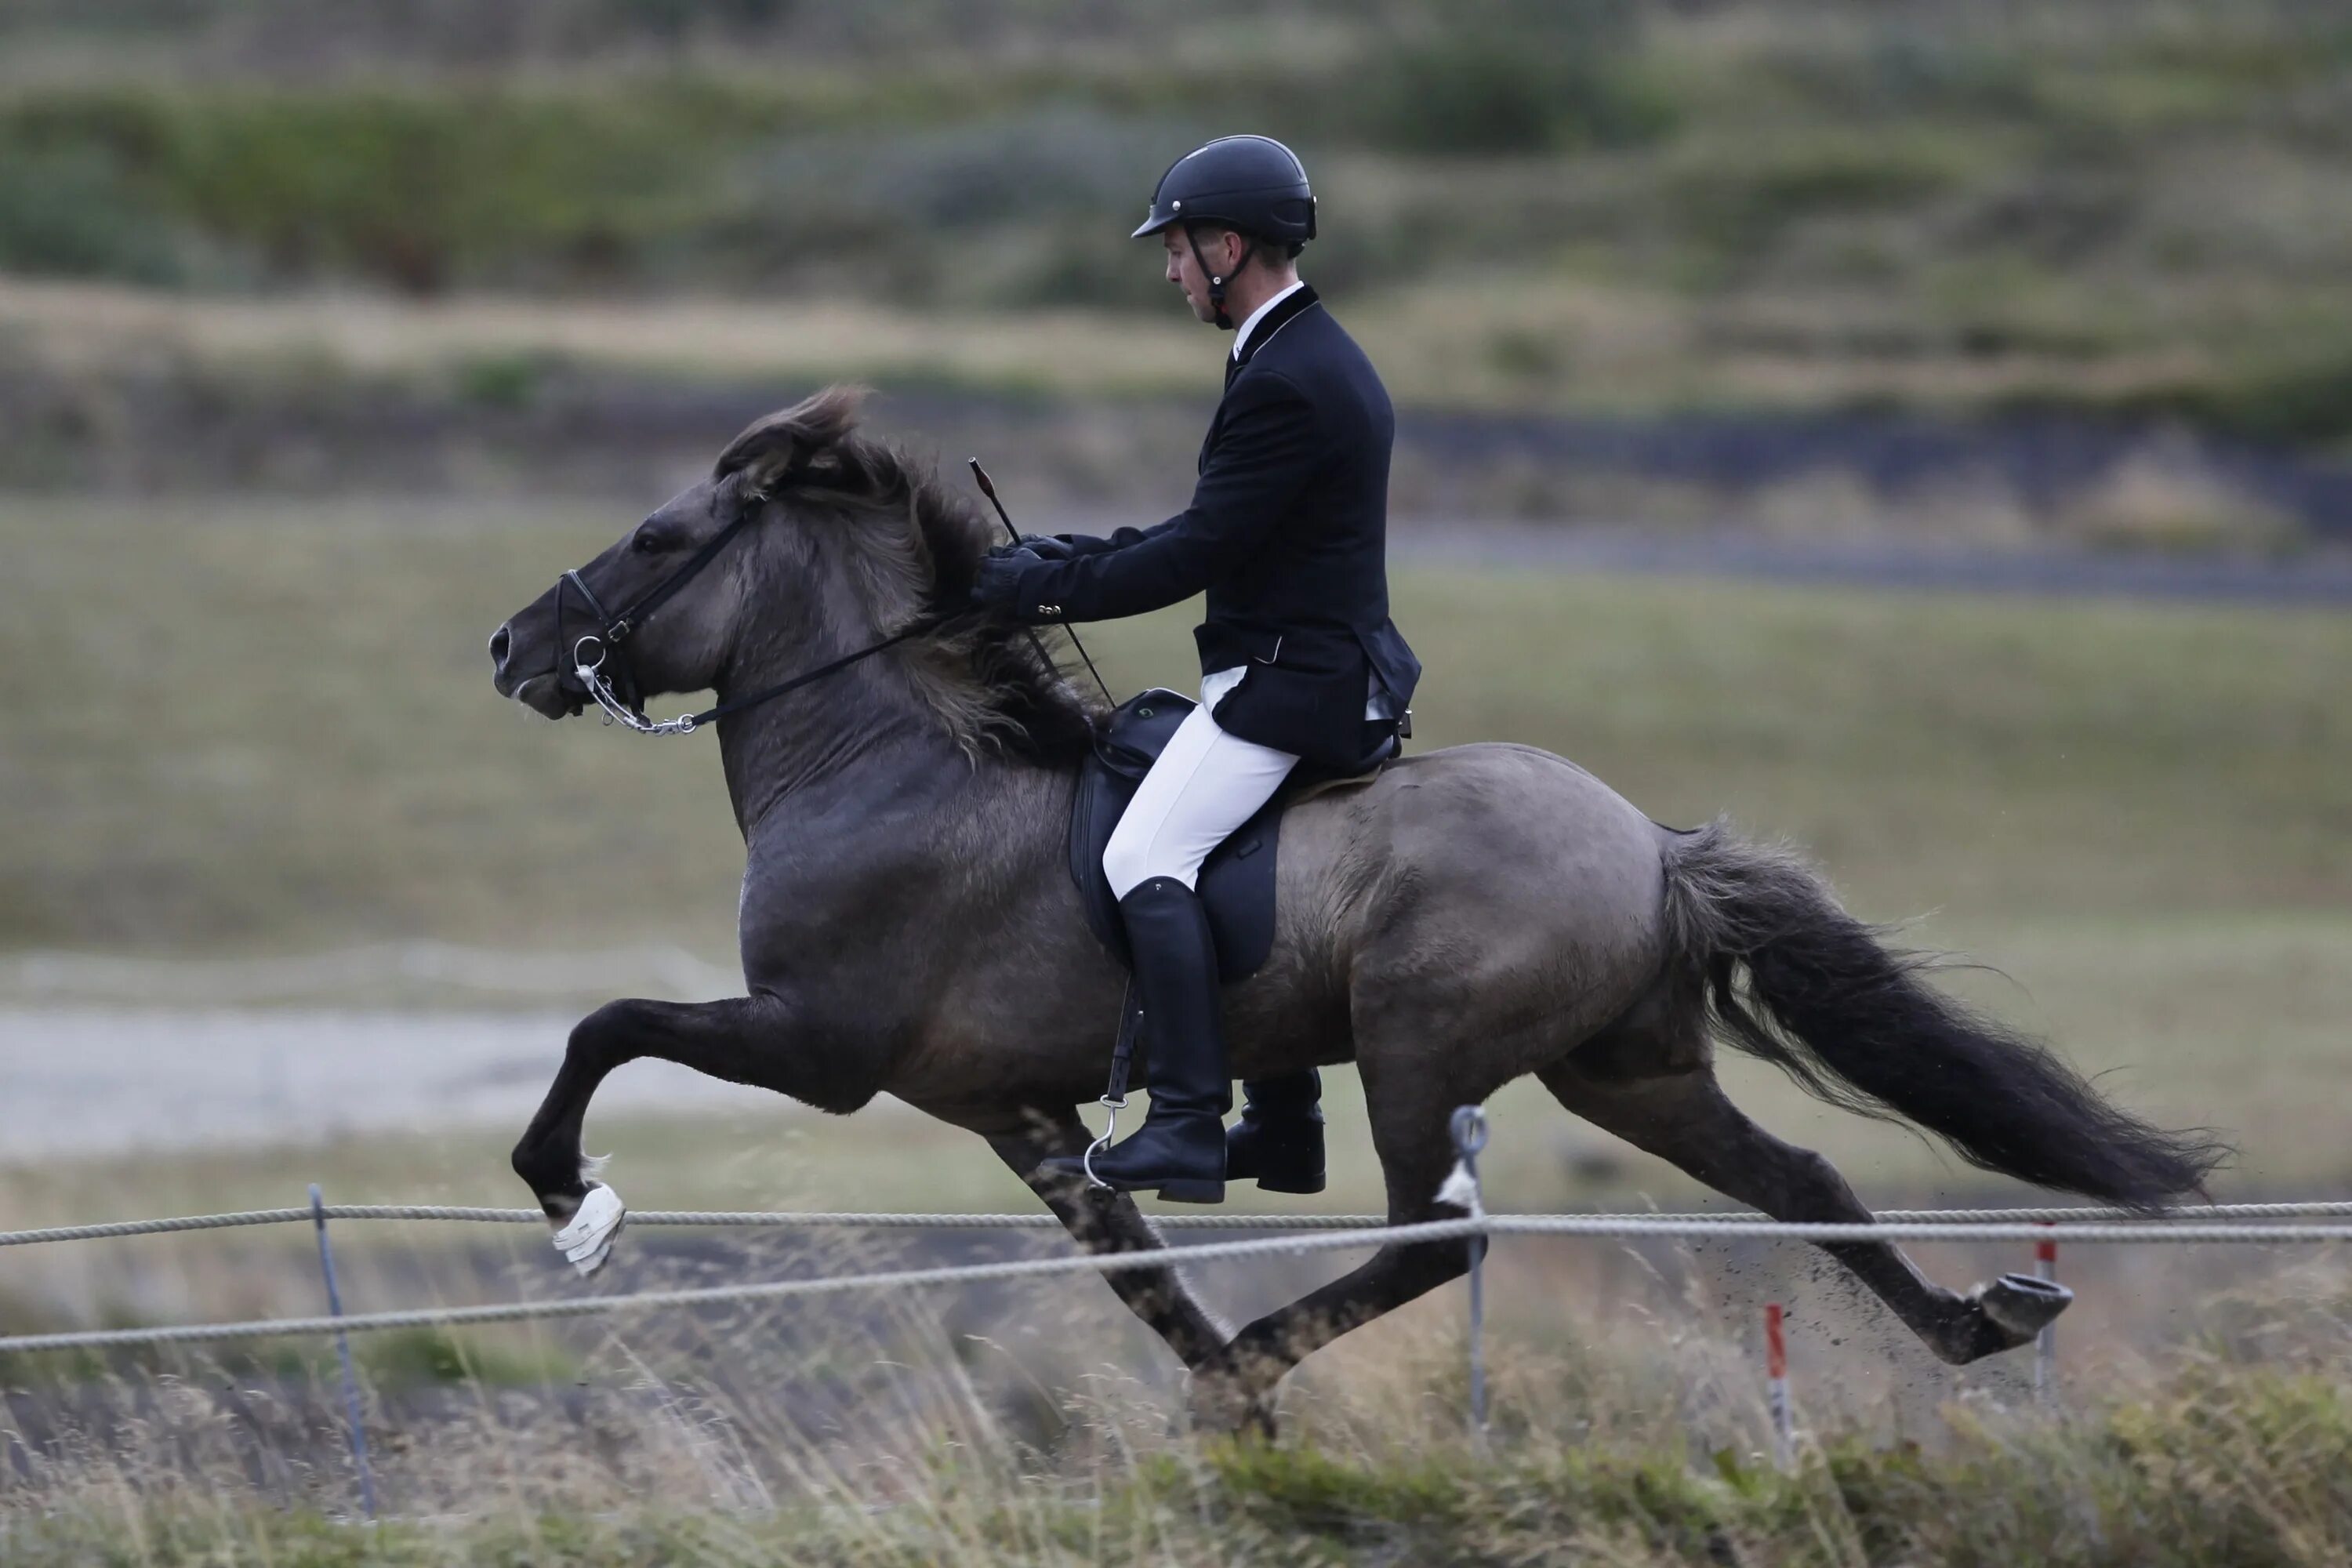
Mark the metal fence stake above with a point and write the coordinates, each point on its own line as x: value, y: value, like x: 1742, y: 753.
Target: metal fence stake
x: 1469, y: 1130
x: 2045, y: 1343
x: 1776, y: 1389
x: 343, y: 1351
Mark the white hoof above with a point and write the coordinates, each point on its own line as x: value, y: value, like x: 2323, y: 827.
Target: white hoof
x: 588, y: 1239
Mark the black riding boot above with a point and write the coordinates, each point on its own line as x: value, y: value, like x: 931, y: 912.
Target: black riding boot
x: 1180, y: 1148
x: 1278, y: 1142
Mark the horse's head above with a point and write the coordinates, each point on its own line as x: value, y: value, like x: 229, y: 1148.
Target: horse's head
x: 664, y: 607
x: 808, y: 542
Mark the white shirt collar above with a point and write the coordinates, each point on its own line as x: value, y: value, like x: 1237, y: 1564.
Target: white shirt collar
x: 1241, y: 334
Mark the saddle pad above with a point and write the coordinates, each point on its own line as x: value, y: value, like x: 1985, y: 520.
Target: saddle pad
x: 1236, y: 882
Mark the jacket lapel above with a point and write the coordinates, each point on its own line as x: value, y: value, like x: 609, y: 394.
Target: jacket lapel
x: 1292, y: 306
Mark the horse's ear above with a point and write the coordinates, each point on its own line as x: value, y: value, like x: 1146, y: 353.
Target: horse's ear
x: 792, y: 441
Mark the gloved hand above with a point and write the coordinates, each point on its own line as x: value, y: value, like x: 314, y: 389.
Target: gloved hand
x: 1048, y: 546
x: 997, y: 584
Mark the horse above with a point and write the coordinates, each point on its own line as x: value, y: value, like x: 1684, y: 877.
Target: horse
x: 901, y: 768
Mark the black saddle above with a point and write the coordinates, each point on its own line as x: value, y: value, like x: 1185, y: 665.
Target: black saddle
x: 1236, y: 882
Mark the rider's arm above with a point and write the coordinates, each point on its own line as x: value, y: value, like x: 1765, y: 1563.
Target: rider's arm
x: 1062, y: 546
x: 1264, y: 458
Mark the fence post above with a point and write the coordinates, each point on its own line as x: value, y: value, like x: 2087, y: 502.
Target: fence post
x: 343, y: 1351
x: 2045, y: 1343
x: 1776, y: 1388
x: 1461, y: 1188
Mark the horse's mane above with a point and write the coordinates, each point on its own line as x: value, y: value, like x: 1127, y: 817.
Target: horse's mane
x: 997, y: 684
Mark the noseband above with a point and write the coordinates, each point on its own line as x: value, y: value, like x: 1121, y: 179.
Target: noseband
x: 625, y: 705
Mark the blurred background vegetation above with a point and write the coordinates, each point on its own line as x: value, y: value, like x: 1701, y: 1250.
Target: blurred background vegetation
x: 2105, y: 207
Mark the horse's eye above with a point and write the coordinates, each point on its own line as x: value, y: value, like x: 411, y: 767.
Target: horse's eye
x: 648, y: 542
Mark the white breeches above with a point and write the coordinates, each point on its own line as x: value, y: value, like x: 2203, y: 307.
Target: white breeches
x: 1205, y: 784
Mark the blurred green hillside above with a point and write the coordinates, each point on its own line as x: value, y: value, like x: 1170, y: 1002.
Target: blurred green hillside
x: 2104, y: 205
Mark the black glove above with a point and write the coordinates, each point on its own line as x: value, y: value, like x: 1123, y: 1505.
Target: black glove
x: 1049, y: 546
x: 997, y: 584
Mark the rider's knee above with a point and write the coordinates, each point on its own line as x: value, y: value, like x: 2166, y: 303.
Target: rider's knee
x: 1129, y: 861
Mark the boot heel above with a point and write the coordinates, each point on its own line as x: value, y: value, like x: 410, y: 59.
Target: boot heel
x: 1292, y: 1182
x: 1194, y: 1192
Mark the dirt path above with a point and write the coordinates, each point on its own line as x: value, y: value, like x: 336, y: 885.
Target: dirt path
x: 85, y: 1080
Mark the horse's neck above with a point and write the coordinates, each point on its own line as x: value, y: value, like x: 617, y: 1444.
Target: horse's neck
x: 845, y: 746
x: 804, y: 750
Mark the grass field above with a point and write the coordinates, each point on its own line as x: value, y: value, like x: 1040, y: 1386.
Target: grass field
x: 864, y: 1440
x: 264, y: 728
x: 268, y: 729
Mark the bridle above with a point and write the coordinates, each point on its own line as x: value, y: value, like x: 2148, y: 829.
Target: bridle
x: 620, y: 697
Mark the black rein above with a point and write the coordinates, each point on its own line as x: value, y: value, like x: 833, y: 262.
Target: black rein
x: 614, y: 631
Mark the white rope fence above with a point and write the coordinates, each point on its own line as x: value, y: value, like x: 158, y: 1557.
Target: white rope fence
x: 2263, y: 1224
x: 1687, y: 1228
x: 2139, y: 1220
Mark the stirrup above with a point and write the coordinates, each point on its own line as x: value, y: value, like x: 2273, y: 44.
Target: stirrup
x: 1114, y: 1095
x: 1110, y: 1128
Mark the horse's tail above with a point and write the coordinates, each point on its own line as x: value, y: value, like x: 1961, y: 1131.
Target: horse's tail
x: 1853, y: 1023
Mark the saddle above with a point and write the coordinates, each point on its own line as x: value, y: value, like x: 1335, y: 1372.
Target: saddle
x: 1236, y: 881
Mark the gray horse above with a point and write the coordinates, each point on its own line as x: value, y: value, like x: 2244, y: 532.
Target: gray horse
x: 1448, y: 923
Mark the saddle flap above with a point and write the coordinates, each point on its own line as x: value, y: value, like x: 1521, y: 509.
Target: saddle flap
x: 1237, y: 881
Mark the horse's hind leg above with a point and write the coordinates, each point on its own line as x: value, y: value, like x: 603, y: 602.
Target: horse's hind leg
x: 1109, y: 1222
x: 1684, y: 1117
x: 1410, y: 1121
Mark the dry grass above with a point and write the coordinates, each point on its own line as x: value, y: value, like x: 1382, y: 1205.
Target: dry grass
x: 1628, y: 1429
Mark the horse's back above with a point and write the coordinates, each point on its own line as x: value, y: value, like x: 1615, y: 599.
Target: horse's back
x: 1494, y: 811
x: 1490, y: 877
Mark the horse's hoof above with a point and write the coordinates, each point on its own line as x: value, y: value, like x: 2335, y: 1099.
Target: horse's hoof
x: 2023, y: 1305
x: 588, y: 1239
x: 1225, y: 1405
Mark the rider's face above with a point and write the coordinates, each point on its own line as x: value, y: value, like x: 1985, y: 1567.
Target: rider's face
x: 1184, y: 270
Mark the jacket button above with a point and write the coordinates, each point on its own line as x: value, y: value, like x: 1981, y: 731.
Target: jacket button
x: 1049, y: 609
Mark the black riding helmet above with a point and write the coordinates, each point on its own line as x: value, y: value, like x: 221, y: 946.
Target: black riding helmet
x: 1252, y: 185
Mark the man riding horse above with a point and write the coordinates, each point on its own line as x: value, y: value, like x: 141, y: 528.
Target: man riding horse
x: 1286, y: 535
x: 906, y: 764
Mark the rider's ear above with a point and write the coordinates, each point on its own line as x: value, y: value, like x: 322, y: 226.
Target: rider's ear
x: 801, y: 439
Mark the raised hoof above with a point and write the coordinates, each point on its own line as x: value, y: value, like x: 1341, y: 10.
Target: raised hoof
x: 1999, y: 1317
x: 587, y: 1240
x: 2023, y: 1305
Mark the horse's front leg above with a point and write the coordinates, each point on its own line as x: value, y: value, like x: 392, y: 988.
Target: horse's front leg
x: 1104, y: 1221
x: 743, y: 1039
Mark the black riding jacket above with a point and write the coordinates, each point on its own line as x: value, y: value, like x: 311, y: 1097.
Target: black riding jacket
x: 1287, y: 534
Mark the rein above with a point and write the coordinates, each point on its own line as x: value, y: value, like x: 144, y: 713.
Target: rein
x: 687, y: 723
x: 623, y: 707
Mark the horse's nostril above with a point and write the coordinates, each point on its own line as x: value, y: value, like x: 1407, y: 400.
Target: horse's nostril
x: 501, y: 642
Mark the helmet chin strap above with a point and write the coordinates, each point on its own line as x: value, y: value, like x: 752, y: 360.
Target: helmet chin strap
x: 1216, y: 281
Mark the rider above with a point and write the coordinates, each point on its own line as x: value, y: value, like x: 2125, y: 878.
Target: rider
x: 1286, y: 534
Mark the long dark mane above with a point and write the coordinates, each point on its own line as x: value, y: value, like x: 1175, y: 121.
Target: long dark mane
x: 999, y: 686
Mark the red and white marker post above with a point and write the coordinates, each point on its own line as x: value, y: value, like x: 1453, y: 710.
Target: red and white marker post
x: 1776, y: 1388
x: 2045, y: 1343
